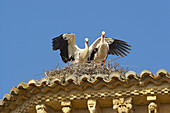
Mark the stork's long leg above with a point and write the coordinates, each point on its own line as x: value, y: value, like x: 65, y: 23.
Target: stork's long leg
x: 94, y: 60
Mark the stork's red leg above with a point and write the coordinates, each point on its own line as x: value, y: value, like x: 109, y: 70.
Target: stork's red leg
x: 94, y: 60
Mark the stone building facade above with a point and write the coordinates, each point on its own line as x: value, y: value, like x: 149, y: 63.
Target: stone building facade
x: 143, y: 93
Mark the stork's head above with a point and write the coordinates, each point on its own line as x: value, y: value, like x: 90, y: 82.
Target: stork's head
x: 103, y: 35
x: 87, y: 41
x: 66, y: 36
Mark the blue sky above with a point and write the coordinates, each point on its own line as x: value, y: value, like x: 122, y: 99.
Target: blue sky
x: 27, y: 27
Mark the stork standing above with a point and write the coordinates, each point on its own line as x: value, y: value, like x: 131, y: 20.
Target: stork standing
x: 102, y: 46
x: 69, y: 51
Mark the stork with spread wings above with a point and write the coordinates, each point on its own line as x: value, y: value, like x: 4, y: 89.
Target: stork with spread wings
x: 69, y: 51
x: 103, y: 46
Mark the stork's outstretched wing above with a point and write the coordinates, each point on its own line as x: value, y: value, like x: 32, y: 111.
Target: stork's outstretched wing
x: 117, y: 47
x: 67, y: 46
x: 93, y: 49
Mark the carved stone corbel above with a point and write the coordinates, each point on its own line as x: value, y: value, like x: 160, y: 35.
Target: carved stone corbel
x: 66, y: 106
x: 154, y: 104
x: 152, y: 108
x: 66, y: 109
x: 41, y: 108
x: 122, y: 105
x: 91, y: 106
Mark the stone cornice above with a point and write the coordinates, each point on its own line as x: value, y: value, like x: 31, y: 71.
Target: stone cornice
x: 133, y: 84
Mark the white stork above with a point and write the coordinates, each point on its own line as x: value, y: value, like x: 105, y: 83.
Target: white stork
x: 69, y: 51
x: 102, y: 46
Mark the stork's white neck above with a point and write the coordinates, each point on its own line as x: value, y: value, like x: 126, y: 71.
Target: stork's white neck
x: 103, y: 36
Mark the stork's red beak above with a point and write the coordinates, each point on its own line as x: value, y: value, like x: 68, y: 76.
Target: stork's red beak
x: 103, y: 35
x: 87, y: 43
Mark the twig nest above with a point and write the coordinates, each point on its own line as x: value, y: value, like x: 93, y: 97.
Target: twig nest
x: 87, y: 69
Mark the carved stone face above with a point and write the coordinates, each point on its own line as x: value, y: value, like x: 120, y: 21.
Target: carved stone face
x: 123, y: 109
x: 91, y: 105
x: 41, y: 108
x: 152, y: 106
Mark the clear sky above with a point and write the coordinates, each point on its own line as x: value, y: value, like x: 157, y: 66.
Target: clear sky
x: 27, y: 27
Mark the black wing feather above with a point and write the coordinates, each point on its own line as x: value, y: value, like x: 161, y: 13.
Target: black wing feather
x: 92, y: 54
x: 60, y: 43
x: 118, y: 47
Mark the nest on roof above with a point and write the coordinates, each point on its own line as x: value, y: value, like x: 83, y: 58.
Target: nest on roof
x: 91, y: 69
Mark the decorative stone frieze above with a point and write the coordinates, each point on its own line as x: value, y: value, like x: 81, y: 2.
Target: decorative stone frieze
x: 122, y: 105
